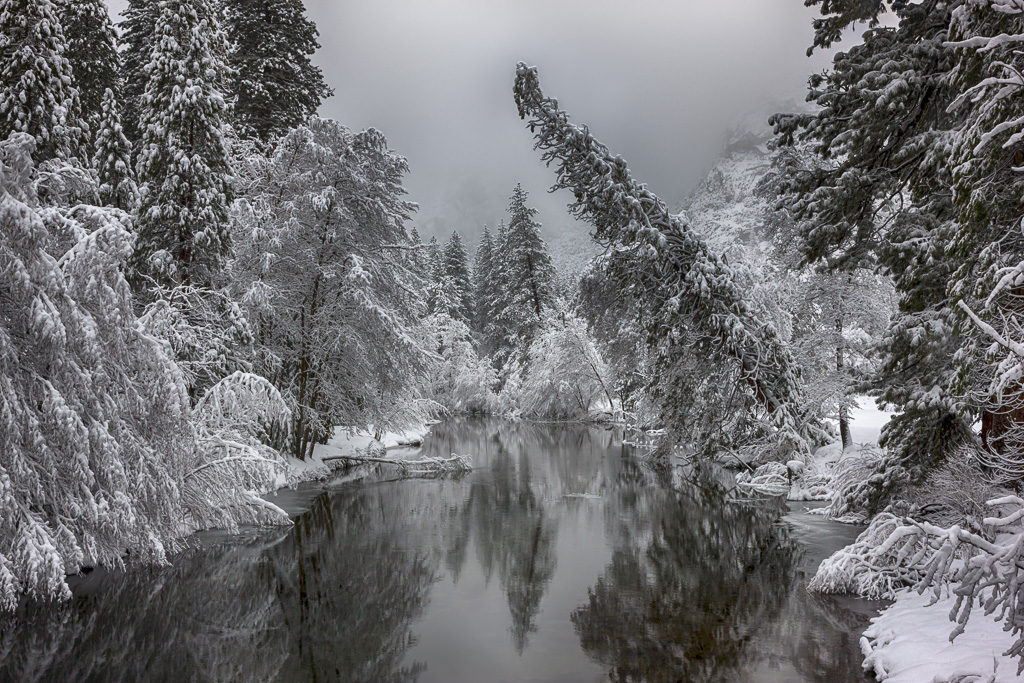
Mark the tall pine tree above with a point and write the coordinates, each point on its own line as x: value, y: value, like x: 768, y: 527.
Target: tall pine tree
x: 275, y: 86
x: 183, y: 168
x: 112, y: 159
x: 136, y: 45
x: 456, y: 269
x: 483, y: 286
x: 92, y: 53
x: 36, y: 93
x: 525, y: 277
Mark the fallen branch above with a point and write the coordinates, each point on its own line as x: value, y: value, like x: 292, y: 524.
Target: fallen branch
x: 456, y: 463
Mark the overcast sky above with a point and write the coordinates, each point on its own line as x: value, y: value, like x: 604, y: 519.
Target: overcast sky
x: 658, y: 81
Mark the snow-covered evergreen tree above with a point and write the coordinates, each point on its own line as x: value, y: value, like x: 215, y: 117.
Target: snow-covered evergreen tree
x: 321, y: 270
x: 183, y: 169
x: 275, y: 86
x: 37, y: 95
x: 877, y: 193
x: 698, y: 319
x: 136, y: 49
x: 94, y: 429
x: 524, y: 279
x: 483, y: 287
x: 91, y: 52
x: 112, y: 159
x: 456, y: 269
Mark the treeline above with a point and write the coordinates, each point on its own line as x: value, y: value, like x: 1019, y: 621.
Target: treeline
x: 200, y: 277
x: 508, y: 330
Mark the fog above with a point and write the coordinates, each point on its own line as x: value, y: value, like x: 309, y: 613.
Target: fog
x: 658, y: 81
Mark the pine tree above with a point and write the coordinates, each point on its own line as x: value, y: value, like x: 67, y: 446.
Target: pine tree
x: 112, y: 159
x: 91, y: 52
x: 525, y: 277
x: 137, y: 38
x: 275, y: 85
x: 36, y: 93
x: 483, y: 287
x: 456, y: 269
x: 691, y: 302
x: 183, y: 168
x: 880, y: 196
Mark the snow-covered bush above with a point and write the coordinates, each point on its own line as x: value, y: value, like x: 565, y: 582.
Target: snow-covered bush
x: 233, y: 422
x: 566, y: 377
x: 460, y: 381
x: 984, y: 567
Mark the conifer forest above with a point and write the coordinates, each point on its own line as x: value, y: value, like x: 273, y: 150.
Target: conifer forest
x: 334, y: 348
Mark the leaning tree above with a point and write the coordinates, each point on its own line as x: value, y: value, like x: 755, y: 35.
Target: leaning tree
x: 724, y: 373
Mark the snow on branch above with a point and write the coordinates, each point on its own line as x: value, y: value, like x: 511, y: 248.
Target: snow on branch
x: 984, y: 566
x: 685, y: 289
x: 456, y: 464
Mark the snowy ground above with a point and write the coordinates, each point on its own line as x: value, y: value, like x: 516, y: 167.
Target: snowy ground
x: 909, y: 643
x: 347, y: 442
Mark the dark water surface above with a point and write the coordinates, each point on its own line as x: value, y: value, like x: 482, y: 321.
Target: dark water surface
x: 560, y: 558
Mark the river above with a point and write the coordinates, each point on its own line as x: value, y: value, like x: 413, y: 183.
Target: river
x: 561, y: 558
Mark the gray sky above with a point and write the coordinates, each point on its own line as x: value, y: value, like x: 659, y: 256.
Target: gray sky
x: 658, y: 81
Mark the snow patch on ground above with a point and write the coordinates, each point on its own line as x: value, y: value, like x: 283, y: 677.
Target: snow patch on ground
x: 347, y: 441
x: 909, y: 643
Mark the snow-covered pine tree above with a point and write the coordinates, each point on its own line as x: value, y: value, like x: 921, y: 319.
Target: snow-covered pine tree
x: 879, y: 194
x: 136, y: 49
x: 987, y: 160
x: 525, y: 279
x: 483, y: 287
x: 94, y: 431
x: 92, y: 54
x: 36, y: 92
x: 112, y: 159
x: 275, y: 86
x: 183, y: 171
x: 696, y: 316
x: 320, y: 269
x: 456, y: 269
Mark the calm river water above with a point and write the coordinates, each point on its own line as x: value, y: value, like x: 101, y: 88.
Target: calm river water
x: 560, y: 558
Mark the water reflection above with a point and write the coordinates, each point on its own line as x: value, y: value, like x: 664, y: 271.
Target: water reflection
x: 559, y: 558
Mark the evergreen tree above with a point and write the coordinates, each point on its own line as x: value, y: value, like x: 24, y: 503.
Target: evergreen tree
x: 36, y: 93
x: 880, y: 196
x: 525, y: 277
x: 456, y: 269
x: 137, y: 31
x: 92, y: 53
x: 183, y: 168
x: 692, y: 305
x: 112, y: 159
x: 483, y: 287
x: 275, y: 87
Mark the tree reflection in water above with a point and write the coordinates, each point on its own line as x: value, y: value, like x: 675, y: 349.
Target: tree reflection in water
x: 700, y: 587
x: 672, y: 581
x: 324, y: 601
